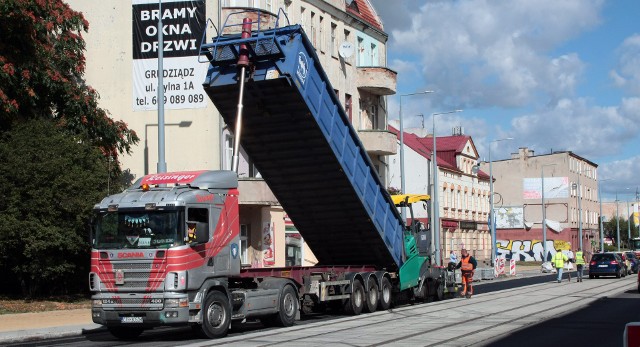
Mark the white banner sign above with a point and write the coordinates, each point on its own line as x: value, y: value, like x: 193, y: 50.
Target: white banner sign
x: 183, y: 24
x: 554, y: 188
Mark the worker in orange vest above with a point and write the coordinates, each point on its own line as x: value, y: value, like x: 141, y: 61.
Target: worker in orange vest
x: 468, y: 266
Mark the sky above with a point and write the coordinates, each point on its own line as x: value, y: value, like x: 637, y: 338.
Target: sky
x: 553, y: 75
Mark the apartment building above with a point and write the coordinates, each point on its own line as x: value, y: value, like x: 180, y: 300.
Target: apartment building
x: 122, y: 65
x: 463, y: 190
x: 570, y: 203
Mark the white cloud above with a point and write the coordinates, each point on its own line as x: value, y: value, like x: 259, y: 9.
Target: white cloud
x: 627, y: 74
x: 491, y: 53
x: 574, y: 125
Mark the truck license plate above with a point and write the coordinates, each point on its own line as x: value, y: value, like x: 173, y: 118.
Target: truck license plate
x: 603, y: 265
x: 131, y: 319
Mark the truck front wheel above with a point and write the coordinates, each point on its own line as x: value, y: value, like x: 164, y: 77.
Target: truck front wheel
x: 287, y: 308
x: 355, y: 304
x: 216, y: 315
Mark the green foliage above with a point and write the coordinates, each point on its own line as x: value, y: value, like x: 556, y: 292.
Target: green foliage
x: 49, y: 183
x: 611, y: 230
x: 41, y: 67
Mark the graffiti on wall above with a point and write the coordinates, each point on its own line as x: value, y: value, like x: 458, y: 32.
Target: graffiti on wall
x: 529, y: 250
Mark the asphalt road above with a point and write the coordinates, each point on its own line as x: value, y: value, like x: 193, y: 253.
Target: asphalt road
x: 599, y: 323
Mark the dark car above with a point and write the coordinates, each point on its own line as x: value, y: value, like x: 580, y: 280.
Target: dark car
x: 605, y: 264
x: 626, y: 265
x: 633, y: 259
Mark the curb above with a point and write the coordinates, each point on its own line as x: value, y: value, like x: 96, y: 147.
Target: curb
x: 32, y: 335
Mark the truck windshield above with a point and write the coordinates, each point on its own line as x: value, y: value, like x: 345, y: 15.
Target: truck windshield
x: 137, y: 229
x: 635, y: 244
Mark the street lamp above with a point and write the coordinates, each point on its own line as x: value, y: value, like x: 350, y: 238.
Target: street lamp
x: 162, y: 164
x: 183, y: 124
x: 601, y: 226
x: 544, y: 215
x: 402, y: 182
x: 617, y: 223
x: 492, y: 225
x: 435, y: 203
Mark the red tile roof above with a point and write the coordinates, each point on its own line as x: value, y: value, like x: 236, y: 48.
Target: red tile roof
x: 365, y: 11
x: 447, y: 148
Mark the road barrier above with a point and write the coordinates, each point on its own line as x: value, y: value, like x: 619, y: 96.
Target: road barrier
x: 512, y: 267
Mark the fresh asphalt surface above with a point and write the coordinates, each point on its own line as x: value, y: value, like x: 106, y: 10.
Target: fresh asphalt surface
x: 601, y: 323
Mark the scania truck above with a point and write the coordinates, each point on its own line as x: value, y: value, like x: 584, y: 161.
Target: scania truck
x: 165, y: 252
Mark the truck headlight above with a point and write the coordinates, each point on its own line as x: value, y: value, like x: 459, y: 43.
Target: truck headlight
x: 96, y: 303
x: 172, y: 303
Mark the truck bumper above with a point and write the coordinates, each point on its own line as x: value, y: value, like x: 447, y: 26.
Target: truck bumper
x: 155, y: 310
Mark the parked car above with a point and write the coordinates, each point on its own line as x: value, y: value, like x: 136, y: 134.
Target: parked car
x: 605, y: 264
x: 633, y: 259
x: 625, y: 263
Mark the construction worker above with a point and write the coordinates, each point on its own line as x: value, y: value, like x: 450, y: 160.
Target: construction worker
x: 467, y: 266
x: 558, y: 261
x: 580, y: 261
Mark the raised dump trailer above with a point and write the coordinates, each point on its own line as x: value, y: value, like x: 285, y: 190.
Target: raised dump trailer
x: 300, y: 139
x: 166, y: 250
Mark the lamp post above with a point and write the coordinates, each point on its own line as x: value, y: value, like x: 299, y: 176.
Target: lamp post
x: 402, y: 181
x: 600, y: 217
x: 183, y: 124
x: 628, y: 224
x: 435, y: 203
x: 492, y: 223
x: 544, y: 215
x: 162, y: 164
x: 617, y: 223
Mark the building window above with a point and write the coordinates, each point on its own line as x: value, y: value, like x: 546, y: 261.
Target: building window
x: 244, y: 244
x: 314, y: 39
x: 347, y: 106
x: 373, y: 115
x: 303, y: 23
x: 347, y: 38
x: 270, y: 5
x: 334, y: 40
x: 228, y: 151
x: 374, y: 55
x: 321, y: 29
x: 360, y: 52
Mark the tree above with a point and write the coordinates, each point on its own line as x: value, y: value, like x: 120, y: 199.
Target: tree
x: 49, y: 185
x: 41, y: 68
x: 58, y: 149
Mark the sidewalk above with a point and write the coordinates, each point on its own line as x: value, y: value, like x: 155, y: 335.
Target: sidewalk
x: 45, y: 325
x: 37, y: 326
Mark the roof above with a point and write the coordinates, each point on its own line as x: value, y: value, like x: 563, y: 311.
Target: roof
x: 363, y: 10
x: 447, y: 148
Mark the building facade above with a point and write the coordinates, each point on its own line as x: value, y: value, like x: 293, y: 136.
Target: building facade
x: 570, y: 204
x: 122, y: 65
x: 463, y: 190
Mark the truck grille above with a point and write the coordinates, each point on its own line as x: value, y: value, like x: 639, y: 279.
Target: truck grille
x: 132, y: 266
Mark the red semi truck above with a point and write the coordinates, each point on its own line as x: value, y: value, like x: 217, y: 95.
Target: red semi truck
x: 166, y: 250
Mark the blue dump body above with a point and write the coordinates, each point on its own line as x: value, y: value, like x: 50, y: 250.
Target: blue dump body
x: 300, y: 139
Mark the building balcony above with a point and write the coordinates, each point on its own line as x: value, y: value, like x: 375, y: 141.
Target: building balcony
x: 379, y: 142
x: 377, y: 80
x: 255, y: 191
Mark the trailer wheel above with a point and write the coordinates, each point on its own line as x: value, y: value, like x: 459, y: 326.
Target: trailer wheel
x: 125, y: 333
x: 385, y: 294
x: 216, y: 315
x: 439, y: 291
x: 372, y: 295
x: 355, y: 304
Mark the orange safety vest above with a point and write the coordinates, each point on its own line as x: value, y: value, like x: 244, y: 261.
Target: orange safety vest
x: 466, y: 265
